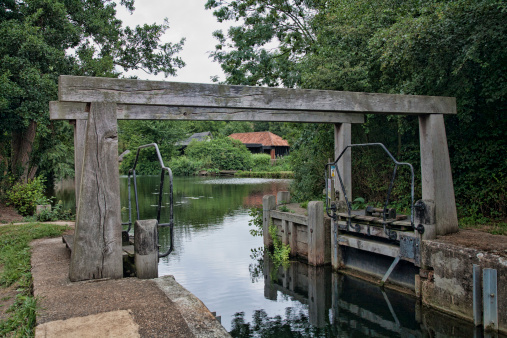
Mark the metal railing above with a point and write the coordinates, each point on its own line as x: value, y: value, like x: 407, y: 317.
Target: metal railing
x: 164, y: 170
x: 329, y: 208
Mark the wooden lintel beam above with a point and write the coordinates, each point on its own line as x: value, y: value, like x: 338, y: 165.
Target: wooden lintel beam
x: 79, y: 111
x: 176, y: 94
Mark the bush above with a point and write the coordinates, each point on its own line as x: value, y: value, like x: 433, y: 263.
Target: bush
x: 26, y: 196
x: 183, y: 166
x: 261, y: 162
x: 220, y: 153
x: 57, y: 213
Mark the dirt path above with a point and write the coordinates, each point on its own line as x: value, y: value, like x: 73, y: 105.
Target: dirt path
x: 8, y: 214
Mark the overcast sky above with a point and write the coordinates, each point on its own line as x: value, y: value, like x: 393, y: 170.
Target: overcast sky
x: 188, y: 19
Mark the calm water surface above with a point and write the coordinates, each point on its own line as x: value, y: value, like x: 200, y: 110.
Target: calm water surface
x: 217, y: 259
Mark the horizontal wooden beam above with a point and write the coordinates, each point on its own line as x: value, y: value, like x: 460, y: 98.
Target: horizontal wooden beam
x: 79, y: 111
x: 369, y: 245
x: 176, y: 94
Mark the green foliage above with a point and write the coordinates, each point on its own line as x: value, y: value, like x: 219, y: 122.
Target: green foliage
x: 135, y: 133
x: 255, y: 221
x: 358, y: 203
x: 56, y: 213
x: 43, y: 39
x: 15, y: 260
x: 26, y: 196
x: 220, y: 153
x: 280, y: 254
x: 304, y: 204
x: 261, y: 162
x: 183, y: 166
x: 445, y: 48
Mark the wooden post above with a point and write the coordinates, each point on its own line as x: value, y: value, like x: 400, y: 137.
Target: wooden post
x: 342, y: 139
x: 79, y: 149
x: 97, y: 239
x: 285, y: 232
x: 436, y: 172
x: 336, y: 251
x: 268, y: 204
x: 146, y: 248
x: 282, y: 197
x: 316, y: 235
x: 293, y: 235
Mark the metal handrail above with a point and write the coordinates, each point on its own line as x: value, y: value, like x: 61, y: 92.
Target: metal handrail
x: 391, y: 184
x: 164, y: 170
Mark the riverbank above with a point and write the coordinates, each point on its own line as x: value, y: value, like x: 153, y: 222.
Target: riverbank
x: 128, y: 307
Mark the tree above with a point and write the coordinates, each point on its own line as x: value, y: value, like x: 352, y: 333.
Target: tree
x: 41, y: 39
x: 271, y: 38
x: 446, y: 48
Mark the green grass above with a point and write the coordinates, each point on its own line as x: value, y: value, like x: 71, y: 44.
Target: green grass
x: 484, y: 224
x: 15, y: 258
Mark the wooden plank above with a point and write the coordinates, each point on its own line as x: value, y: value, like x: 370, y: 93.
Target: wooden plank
x: 77, y: 111
x: 369, y: 245
x: 299, y: 219
x: 95, y: 89
x: 97, y: 249
x: 374, y: 231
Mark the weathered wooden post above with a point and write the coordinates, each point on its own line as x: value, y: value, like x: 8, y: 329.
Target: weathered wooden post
x: 146, y: 248
x: 79, y: 150
x: 268, y: 204
x: 437, y: 186
x: 342, y: 139
x: 97, y: 240
x: 316, y: 233
x: 282, y: 197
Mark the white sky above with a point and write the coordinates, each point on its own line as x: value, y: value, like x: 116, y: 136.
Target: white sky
x: 188, y: 19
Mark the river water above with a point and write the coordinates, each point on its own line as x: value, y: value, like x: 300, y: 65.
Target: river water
x: 218, y: 260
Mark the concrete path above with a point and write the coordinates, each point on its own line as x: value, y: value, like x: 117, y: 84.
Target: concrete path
x: 127, y: 307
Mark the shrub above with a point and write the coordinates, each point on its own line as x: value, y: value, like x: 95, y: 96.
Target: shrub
x: 26, y: 196
x: 261, y: 162
x: 55, y: 214
x: 220, y: 153
x: 183, y: 166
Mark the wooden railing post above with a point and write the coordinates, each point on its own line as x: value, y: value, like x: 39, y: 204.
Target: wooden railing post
x: 97, y: 237
x: 316, y: 233
x: 268, y: 204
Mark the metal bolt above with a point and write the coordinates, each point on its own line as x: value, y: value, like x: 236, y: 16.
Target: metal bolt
x: 492, y: 295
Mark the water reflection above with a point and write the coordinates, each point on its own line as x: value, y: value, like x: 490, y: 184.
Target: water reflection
x: 218, y: 260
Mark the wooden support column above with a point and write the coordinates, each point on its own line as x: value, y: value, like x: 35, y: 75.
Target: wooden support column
x: 97, y: 240
x: 79, y: 149
x: 316, y: 233
x: 268, y: 204
x: 342, y: 139
x: 437, y: 185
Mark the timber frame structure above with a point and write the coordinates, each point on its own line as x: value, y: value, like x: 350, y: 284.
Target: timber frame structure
x: 95, y: 105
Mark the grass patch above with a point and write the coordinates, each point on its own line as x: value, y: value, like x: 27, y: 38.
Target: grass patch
x: 15, y: 258
x: 484, y: 224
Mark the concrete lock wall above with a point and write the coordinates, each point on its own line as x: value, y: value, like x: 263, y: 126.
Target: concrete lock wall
x: 447, y: 283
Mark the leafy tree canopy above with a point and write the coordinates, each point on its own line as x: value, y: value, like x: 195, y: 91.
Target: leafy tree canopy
x: 41, y: 39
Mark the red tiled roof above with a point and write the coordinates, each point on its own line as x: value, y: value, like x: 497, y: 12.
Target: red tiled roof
x: 265, y: 138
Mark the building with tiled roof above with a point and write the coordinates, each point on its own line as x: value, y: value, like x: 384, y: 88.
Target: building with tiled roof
x: 263, y: 142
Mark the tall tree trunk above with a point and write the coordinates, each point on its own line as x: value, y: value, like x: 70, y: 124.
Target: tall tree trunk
x: 22, y: 144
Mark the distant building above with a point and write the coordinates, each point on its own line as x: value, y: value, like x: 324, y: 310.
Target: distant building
x: 263, y: 142
x: 197, y: 136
